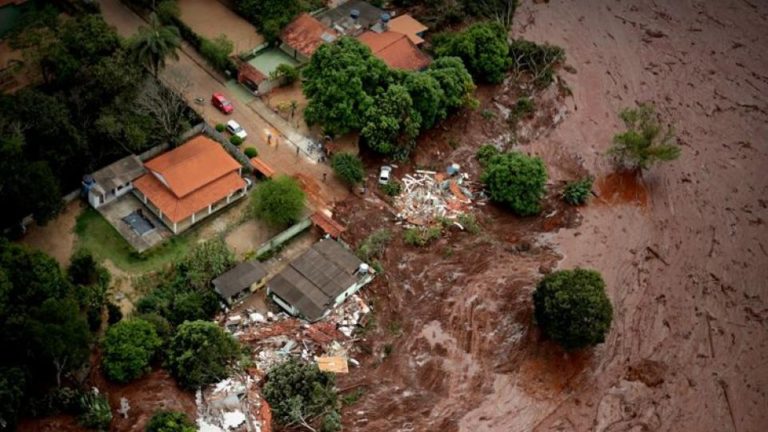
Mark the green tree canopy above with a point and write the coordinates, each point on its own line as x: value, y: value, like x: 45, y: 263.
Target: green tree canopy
x: 152, y: 45
x: 517, y: 181
x: 428, y: 98
x: 206, y: 261
x: 572, y: 308
x: 341, y: 81
x: 12, y: 389
x: 300, y: 393
x: 279, y: 201
x: 201, y: 353
x: 348, y: 167
x: 269, y: 16
x: 454, y: 80
x: 170, y: 421
x: 645, y: 142
x: 60, y: 334
x: 128, y: 349
x: 391, y: 124
x: 483, y: 48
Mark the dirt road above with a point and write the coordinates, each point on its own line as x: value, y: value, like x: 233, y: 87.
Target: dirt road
x: 683, y: 250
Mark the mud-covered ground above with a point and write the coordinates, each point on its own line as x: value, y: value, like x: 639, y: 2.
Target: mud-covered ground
x: 682, y: 249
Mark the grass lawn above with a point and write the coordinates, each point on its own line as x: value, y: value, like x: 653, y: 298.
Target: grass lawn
x: 96, y: 235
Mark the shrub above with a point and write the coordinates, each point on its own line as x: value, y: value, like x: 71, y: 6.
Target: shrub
x: 374, y: 245
x: 279, y: 201
x: 216, y: 52
x: 348, y: 167
x: 161, y: 325
x: 167, y: 10
x: 572, y: 308
x: 287, y: 74
x: 201, y: 353
x: 299, y: 392
x: 421, y: 236
x: 96, y: 413
x: 392, y: 188
x: 469, y: 222
x: 128, y: 348
x: 523, y: 107
x: 577, y: 192
x: 486, y: 153
x: 235, y: 140
x: 220, y: 128
x: 251, y: 152
x: 517, y: 181
x: 645, y: 142
x: 170, y: 421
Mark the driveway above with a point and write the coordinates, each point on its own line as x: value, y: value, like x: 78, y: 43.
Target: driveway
x: 279, y: 153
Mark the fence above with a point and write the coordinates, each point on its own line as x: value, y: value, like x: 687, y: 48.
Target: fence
x: 283, y: 237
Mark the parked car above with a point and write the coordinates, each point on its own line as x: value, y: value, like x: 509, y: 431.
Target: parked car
x: 384, y: 174
x: 221, y: 103
x: 234, y: 128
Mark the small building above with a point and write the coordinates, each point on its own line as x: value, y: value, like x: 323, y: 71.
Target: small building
x: 304, y: 35
x: 396, y: 50
x: 189, y: 183
x: 245, y: 277
x: 319, y: 280
x: 351, y: 18
x: 409, y: 26
x: 113, y: 181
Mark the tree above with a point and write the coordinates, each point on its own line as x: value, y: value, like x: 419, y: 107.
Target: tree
x: 341, y: 81
x: 217, y: 51
x: 483, y: 48
x: 152, y: 45
x: 85, y: 270
x: 501, y: 11
x: 12, y: 390
x: 96, y: 413
x: 269, y: 16
x: 206, y: 261
x: 170, y: 421
x: 286, y: 73
x: 201, y: 353
x: 454, y: 80
x: 348, y: 167
x: 537, y: 60
x: 60, y: 334
x: 572, y: 308
x: 517, y: 181
x: 428, y: 98
x: 391, y: 123
x: 279, y: 201
x: 128, y: 348
x: 300, y: 393
x: 645, y: 142
x: 166, y: 107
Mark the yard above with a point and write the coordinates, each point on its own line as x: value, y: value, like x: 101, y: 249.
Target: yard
x: 211, y: 19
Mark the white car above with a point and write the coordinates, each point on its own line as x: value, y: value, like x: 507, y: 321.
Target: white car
x: 384, y: 173
x: 235, y: 129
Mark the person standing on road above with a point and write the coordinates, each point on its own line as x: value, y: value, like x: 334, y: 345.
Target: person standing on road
x: 297, y: 151
x: 325, y: 175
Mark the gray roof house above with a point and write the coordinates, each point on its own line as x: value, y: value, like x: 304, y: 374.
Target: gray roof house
x: 246, y: 276
x: 319, y: 280
x: 352, y: 17
x: 113, y: 181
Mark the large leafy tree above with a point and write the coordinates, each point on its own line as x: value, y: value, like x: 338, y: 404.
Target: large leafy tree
x: 517, y: 181
x: 454, y: 80
x: 12, y: 388
x: 170, y: 421
x: 279, y: 201
x: 152, y: 45
x: 645, y: 141
x: 128, y: 349
x: 572, y: 308
x: 201, y: 353
x: 341, y: 81
x: 206, y: 261
x: 427, y: 96
x: 300, y: 394
x: 348, y: 167
x: 392, y: 123
x: 483, y: 48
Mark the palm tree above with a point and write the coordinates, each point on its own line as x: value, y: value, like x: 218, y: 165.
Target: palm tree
x: 153, y: 44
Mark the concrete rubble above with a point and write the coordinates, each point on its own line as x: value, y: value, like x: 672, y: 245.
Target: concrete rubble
x: 233, y: 404
x: 429, y: 195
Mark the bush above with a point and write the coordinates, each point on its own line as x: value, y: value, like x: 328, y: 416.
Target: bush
x: 348, y: 167
x: 216, y: 52
x: 251, y: 152
x: 517, y: 181
x: 96, y: 413
x: 421, y: 236
x: 572, y: 308
x: 167, y: 10
x: 128, y: 348
x: 469, y: 222
x: 279, y: 201
x: 170, y: 421
x: 287, y: 74
x: 486, y: 153
x: 299, y: 392
x: 645, y: 142
x: 577, y: 192
x: 201, y: 353
x: 161, y: 325
x: 374, y: 245
x: 393, y: 188
x: 235, y: 140
x: 523, y: 107
x: 220, y: 128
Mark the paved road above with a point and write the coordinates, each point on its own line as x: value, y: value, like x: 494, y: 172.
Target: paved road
x: 281, y: 154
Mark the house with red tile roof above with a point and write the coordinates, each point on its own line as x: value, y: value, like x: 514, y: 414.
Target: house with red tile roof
x: 304, y: 35
x: 189, y: 183
x: 408, y: 26
x: 396, y: 50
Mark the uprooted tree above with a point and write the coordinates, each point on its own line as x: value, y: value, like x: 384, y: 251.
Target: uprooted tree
x: 645, y: 142
x: 201, y: 353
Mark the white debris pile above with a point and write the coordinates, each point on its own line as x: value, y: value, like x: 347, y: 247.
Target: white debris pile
x: 428, y: 195
x: 349, y: 315
x: 232, y: 405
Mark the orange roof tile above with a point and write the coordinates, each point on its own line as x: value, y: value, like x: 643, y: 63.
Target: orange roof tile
x: 305, y: 34
x: 408, y: 26
x: 262, y: 167
x: 327, y: 224
x: 178, y: 209
x: 396, y: 50
x: 192, y: 165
